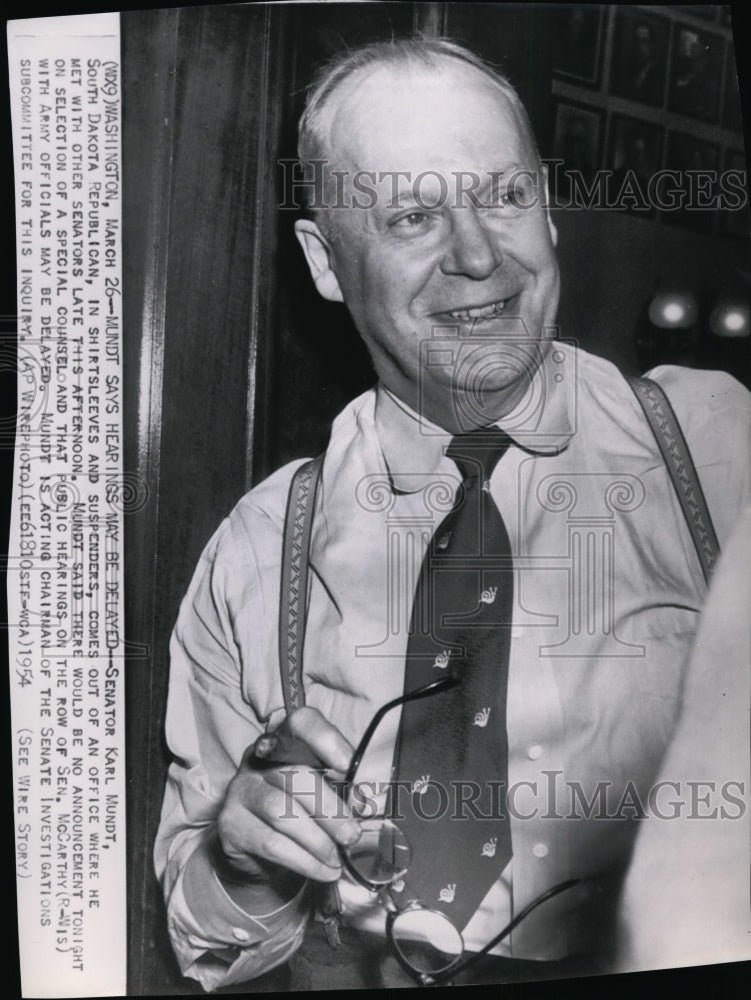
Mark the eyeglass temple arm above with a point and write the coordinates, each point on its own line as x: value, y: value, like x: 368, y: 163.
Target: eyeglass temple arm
x: 441, y: 977
x: 443, y: 683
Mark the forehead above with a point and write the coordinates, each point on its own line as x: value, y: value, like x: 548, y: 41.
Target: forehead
x: 424, y: 118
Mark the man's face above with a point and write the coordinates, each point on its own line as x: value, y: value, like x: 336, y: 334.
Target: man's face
x: 480, y: 278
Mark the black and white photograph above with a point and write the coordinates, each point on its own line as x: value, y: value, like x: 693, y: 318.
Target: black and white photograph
x: 379, y: 560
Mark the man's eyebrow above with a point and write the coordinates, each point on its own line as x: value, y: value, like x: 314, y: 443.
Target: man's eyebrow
x: 404, y: 197
x: 500, y: 172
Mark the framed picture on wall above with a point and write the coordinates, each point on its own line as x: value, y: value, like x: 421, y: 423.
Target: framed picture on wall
x: 577, y: 49
x: 634, y: 156
x: 695, y: 73
x: 640, y: 52
x: 577, y: 135
x: 696, y: 163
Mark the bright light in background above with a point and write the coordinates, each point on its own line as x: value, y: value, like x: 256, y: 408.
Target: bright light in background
x: 673, y: 309
x: 673, y: 312
x: 731, y: 319
x: 734, y: 321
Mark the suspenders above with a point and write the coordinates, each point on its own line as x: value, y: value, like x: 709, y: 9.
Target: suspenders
x: 680, y: 466
x: 293, y: 598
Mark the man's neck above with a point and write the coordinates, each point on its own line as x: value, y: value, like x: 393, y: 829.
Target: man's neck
x: 456, y: 410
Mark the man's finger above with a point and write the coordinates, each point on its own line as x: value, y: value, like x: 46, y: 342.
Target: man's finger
x: 325, y: 740
x: 268, y: 832
x: 320, y: 801
x: 271, y: 846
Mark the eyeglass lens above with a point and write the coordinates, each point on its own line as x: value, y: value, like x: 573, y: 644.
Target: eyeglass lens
x: 382, y: 854
x: 426, y: 940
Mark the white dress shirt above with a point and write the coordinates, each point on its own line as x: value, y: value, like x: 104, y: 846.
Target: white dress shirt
x: 608, y: 589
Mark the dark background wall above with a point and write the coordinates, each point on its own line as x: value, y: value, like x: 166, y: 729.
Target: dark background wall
x: 233, y: 364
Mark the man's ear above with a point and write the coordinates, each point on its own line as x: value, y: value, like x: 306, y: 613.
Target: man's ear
x: 318, y: 254
x: 546, y: 190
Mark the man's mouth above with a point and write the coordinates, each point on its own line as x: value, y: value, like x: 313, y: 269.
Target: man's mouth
x: 487, y: 311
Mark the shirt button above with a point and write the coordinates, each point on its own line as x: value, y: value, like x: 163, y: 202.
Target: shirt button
x: 239, y: 934
x: 534, y: 751
x: 540, y: 850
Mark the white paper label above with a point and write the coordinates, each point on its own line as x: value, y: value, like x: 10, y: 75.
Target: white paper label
x: 65, y: 559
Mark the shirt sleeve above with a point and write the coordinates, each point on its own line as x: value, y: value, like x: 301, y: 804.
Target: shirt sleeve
x: 219, y: 936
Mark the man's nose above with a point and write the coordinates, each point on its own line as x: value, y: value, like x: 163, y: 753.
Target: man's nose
x: 473, y: 250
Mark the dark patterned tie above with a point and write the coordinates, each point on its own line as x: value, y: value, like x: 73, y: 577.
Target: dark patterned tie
x: 453, y: 744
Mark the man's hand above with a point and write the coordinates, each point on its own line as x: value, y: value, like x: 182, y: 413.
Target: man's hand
x: 289, y: 815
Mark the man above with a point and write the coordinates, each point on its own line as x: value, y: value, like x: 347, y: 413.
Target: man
x: 431, y: 226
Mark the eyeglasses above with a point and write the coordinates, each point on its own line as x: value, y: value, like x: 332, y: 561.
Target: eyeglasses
x: 424, y: 941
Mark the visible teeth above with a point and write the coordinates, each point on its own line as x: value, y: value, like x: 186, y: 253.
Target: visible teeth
x: 480, y: 312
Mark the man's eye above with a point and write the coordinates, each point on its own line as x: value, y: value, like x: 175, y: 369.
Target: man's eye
x: 505, y: 197
x: 519, y: 193
x: 413, y: 220
x: 500, y: 198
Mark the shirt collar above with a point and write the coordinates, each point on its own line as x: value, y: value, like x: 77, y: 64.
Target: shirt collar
x: 542, y: 423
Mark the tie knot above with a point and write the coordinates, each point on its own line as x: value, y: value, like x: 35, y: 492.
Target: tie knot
x: 476, y: 454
